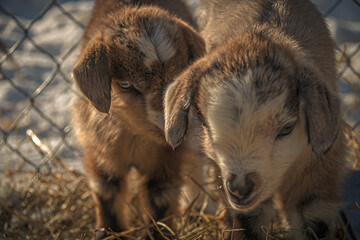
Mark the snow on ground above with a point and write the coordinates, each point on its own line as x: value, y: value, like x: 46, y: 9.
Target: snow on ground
x: 56, y: 34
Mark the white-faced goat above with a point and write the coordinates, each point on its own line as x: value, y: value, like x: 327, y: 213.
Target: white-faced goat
x: 266, y: 97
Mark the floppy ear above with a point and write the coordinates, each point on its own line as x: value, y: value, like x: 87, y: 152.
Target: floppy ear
x: 179, y: 94
x: 92, y: 74
x: 321, y: 108
x: 177, y: 103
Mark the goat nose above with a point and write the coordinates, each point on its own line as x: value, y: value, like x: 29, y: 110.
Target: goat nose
x: 236, y: 188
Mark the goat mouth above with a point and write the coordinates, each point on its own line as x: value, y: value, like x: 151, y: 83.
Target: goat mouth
x: 242, y: 204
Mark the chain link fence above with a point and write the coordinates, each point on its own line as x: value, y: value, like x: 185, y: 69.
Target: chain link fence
x: 36, y: 86
x: 38, y: 48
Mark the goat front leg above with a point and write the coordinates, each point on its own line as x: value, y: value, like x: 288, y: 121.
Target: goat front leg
x: 314, y: 220
x: 255, y: 224
x: 164, y: 192
x: 110, y: 196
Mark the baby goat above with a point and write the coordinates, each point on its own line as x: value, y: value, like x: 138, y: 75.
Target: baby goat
x: 129, y: 55
x: 266, y: 97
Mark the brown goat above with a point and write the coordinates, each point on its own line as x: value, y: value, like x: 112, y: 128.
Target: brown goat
x: 130, y: 53
x: 266, y: 98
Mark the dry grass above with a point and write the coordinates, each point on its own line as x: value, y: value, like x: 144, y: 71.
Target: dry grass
x: 354, y: 145
x: 58, y: 205
x: 45, y: 206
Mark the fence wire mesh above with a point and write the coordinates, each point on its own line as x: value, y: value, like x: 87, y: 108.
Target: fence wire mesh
x: 36, y: 86
x: 38, y: 48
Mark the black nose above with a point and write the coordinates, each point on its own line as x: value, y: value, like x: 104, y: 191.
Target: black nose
x: 239, y: 190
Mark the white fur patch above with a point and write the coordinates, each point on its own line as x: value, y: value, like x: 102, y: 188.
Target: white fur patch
x: 148, y: 49
x: 157, y: 47
x: 244, y: 133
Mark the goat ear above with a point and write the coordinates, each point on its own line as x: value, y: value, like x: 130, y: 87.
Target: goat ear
x: 322, y: 110
x: 179, y: 94
x: 92, y: 74
x: 177, y: 103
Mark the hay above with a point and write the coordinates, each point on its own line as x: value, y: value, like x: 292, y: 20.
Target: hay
x: 58, y: 205
x: 53, y: 206
x: 353, y: 135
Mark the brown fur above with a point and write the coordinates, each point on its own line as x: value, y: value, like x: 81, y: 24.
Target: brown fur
x: 278, y: 50
x: 144, y: 48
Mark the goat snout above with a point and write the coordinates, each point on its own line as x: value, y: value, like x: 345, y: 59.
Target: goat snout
x: 240, y: 189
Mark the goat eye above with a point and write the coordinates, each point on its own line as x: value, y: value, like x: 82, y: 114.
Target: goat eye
x: 286, y: 130
x: 125, y: 85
